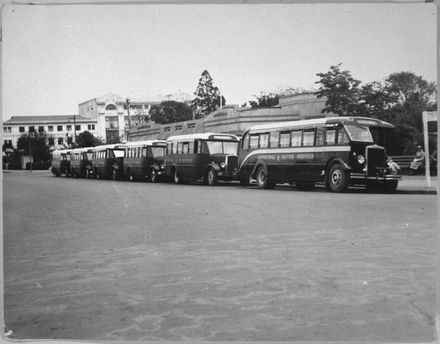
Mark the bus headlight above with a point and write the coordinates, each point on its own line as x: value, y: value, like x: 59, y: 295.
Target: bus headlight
x: 222, y: 165
x: 361, y: 159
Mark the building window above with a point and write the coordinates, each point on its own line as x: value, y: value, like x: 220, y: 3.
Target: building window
x: 51, y: 141
x: 191, y: 125
x: 90, y: 127
x: 31, y: 129
x: 166, y: 129
x: 50, y: 128
x: 40, y: 128
x: 78, y: 127
x: 69, y: 127
x: 7, y: 129
x: 21, y: 129
x: 59, y: 128
x: 60, y: 140
x: 178, y: 127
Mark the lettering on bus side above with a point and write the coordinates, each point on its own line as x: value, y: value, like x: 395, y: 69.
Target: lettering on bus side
x: 286, y: 156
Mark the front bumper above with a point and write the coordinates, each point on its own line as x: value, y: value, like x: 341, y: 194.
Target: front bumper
x: 379, y: 178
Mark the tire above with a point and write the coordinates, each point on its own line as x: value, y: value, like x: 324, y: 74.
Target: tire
x: 262, y: 177
x: 338, y: 178
x: 211, y: 177
x: 305, y: 186
x: 390, y: 186
x: 154, y: 177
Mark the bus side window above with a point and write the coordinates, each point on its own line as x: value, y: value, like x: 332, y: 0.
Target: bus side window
x: 254, y: 141
x: 144, y: 152
x: 330, y: 136
x: 285, y: 139
x: 264, y: 140
x: 191, y: 147
x: 185, y: 148
x: 245, y: 142
x: 179, y: 147
x: 309, y: 137
x: 320, y: 136
x: 174, y: 148
x: 274, y: 138
x: 342, y: 136
x: 296, y: 138
x: 169, y: 147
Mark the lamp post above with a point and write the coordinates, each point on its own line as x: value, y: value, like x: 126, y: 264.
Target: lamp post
x: 31, y: 160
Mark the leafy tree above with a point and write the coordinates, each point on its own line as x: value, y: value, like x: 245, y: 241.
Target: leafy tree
x: 340, y: 89
x: 170, y: 111
x: 270, y: 99
x: 37, y: 143
x: 207, y: 96
x: 87, y: 139
x: 265, y: 100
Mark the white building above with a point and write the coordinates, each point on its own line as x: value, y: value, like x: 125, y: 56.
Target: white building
x: 111, y: 115
x: 60, y: 130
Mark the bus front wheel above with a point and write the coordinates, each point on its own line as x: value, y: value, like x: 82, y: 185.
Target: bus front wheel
x: 263, y: 179
x: 211, y: 177
x: 338, y: 178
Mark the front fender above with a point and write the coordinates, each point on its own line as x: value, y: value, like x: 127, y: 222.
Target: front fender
x: 258, y: 164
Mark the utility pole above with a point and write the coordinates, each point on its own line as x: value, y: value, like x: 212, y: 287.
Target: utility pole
x: 127, y: 101
x: 30, y: 151
x: 74, y: 130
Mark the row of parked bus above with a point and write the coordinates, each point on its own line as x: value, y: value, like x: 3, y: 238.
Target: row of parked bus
x: 335, y: 151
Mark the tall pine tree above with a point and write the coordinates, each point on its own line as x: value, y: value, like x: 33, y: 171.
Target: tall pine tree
x: 207, y: 96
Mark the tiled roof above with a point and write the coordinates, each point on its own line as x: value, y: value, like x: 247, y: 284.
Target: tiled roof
x: 47, y: 119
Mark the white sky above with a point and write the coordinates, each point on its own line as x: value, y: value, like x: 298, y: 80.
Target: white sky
x: 55, y: 57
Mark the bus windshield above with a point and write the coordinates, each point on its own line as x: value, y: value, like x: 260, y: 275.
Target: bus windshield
x: 118, y: 153
x: 358, y: 133
x: 222, y: 147
x: 158, y: 152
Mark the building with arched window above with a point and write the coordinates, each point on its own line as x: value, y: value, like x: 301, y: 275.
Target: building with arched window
x: 113, y: 117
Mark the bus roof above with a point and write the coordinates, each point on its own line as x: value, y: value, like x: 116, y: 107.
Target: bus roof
x: 203, y: 136
x: 372, y: 122
x: 111, y: 146
x: 146, y: 143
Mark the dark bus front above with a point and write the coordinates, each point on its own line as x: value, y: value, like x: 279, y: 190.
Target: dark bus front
x: 107, y: 161
x: 210, y: 157
x: 60, y: 162
x: 81, y: 162
x: 144, y: 160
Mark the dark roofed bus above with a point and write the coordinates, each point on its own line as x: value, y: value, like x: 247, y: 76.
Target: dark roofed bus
x: 207, y: 156
x: 336, y: 151
x: 61, y: 162
x: 107, y: 161
x: 144, y: 159
x: 81, y: 162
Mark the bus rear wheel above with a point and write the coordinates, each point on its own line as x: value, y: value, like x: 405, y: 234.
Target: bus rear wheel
x: 338, y: 178
x: 211, y: 177
x: 263, y: 179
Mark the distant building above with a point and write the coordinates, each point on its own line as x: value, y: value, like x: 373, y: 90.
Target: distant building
x: 60, y: 130
x: 234, y: 120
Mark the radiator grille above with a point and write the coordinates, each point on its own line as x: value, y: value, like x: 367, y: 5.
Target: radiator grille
x: 376, y: 160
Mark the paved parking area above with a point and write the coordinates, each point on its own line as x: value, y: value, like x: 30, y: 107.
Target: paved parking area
x: 103, y: 260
